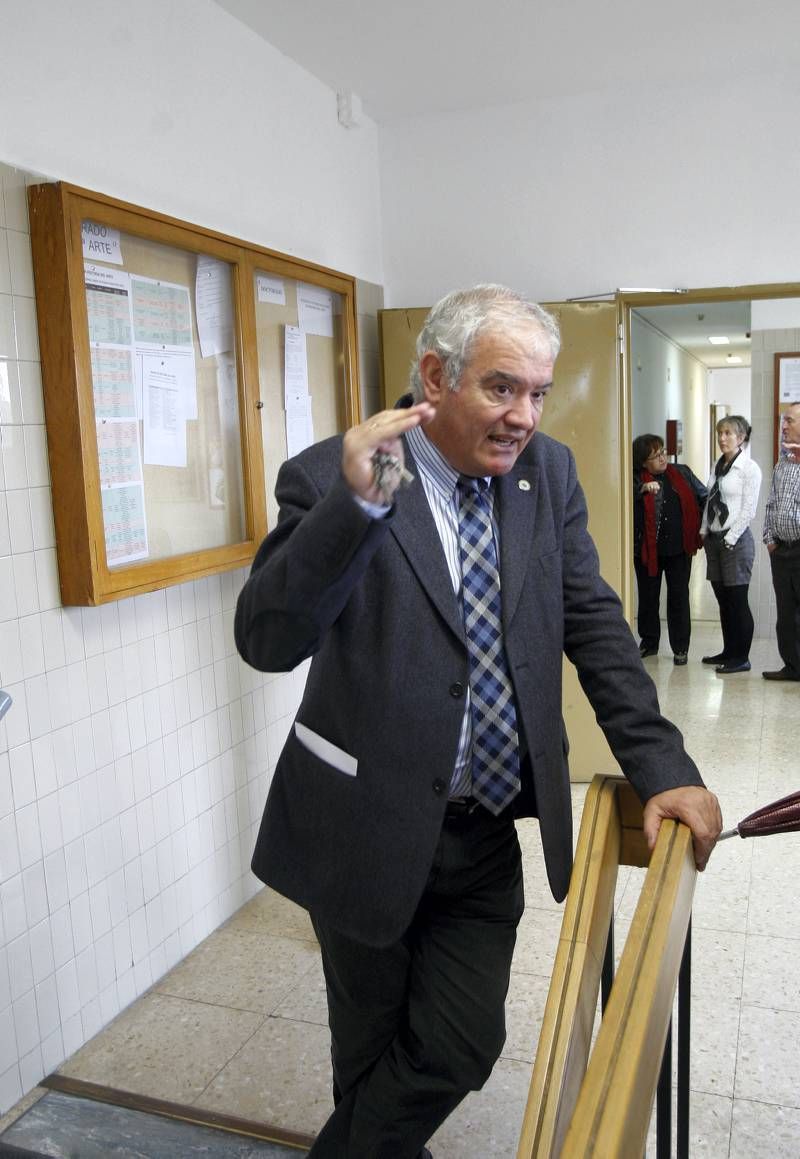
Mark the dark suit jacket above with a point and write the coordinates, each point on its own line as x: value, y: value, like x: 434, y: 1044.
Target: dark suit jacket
x: 372, y: 602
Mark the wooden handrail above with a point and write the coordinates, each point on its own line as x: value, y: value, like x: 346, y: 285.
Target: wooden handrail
x: 603, y: 1109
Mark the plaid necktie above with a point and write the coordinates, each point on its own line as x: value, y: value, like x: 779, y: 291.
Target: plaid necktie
x: 495, y: 748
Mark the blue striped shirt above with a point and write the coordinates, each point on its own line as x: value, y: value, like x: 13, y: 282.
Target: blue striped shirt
x: 439, y: 481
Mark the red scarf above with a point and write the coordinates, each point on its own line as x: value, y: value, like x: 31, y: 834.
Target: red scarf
x: 690, y: 518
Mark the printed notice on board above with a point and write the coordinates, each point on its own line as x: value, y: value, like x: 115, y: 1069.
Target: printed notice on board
x: 789, y: 384
x: 271, y: 289
x: 163, y: 412
x: 100, y: 243
x: 214, y: 306
x: 125, y: 523
x: 162, y: 312
x: 108, y: 305
x: 162, y: 323
x: 315, y: 310
x: 295, y: 362
x: 118, y: 452
x: 299, y: 424
x: 113, y: 382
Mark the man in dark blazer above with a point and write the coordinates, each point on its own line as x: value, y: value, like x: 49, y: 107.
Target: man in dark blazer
x: 415, y: 889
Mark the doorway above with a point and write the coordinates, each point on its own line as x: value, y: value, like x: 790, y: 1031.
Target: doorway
x: 697, y: 354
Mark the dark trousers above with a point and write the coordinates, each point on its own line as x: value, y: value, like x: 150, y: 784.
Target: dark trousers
x: 736, y: 621
x: 785, y: 564
x: 677, y: 569
x: 418, y: 1024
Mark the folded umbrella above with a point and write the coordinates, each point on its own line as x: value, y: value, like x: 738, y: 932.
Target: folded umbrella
x: 781, y: 816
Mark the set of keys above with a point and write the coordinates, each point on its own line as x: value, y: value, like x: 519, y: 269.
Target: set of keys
x: 389, y: 475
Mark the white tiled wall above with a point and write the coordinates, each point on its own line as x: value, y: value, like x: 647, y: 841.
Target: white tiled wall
x: 134, y: 761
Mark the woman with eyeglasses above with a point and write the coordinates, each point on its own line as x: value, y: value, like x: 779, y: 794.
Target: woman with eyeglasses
x: 730, y: 550
x: 668, y: 501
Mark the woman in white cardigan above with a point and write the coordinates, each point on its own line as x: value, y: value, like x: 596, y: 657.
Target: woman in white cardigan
x: 733, y: 489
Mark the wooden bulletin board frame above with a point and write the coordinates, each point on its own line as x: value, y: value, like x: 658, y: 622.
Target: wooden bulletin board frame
x: 57, y: 211
x: 787, y: 390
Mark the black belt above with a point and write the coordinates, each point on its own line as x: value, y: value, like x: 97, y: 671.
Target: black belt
x: 458, y: 807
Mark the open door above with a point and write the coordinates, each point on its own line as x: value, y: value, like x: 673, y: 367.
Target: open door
x: 585, y: 411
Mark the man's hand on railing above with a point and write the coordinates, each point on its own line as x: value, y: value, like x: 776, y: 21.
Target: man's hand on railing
x: 696, y: 808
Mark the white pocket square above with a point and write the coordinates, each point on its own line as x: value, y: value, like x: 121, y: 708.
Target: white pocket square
x: 326, y: 751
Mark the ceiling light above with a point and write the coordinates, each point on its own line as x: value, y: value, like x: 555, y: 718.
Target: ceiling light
x: 732, y: 358
x: 719, y: 340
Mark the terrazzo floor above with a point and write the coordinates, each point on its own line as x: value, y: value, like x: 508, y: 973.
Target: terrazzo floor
x: 247, y: 1007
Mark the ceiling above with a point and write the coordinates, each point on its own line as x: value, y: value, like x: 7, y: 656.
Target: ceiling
x: 691, y: 324
x: 429, y: 57
x: 424, y: 57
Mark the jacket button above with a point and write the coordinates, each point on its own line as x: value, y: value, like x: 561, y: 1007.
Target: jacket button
x: 457, y: 690
x: 439, y: 786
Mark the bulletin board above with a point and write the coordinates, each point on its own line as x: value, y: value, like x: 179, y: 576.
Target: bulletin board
x: 165, y: 379
x: 787, y: 390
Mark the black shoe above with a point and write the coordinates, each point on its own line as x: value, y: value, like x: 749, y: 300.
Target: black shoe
x: 720, y: 658
x: 733, y: 666
x: 647, y: 650
x: 680, y: 658
x: 781, y: 674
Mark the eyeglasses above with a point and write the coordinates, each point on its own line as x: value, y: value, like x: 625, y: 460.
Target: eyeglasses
x: 662, y: 454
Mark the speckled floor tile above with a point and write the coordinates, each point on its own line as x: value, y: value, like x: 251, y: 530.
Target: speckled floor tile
x: 488, y: 1122
x: 781, y: 705
x: 771, y: 975
x: 776, y: 856
x: 764, y: 1131
x: 307, y: 1001
x: 721, y: 897
x: 718, y: 958
x: 775, y: 780
x: 240, y: 969
x: 270, y: 913
x: 709, y: 1126
x: 282, y: 1075
x: 537, y: 939
x: 538, y: 894
x: 628, y: 897
x: 723, y: 774
x: 768, y: 1060
x: 714, y: 1037
x: 772, y: 908
x: 164, y: 1047
x: 525, y: 1004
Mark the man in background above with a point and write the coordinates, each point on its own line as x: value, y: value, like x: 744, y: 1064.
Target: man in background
x: 437, y: 614
x: 782, y: 537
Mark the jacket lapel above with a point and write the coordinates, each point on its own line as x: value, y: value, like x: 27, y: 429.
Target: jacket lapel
x: 517, y: 498
x: 414, y: 528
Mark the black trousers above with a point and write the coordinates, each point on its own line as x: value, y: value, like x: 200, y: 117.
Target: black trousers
x: 677, y: 569
x: 785, y: 564
x: 736, y: 621
x: 418, y: 1024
